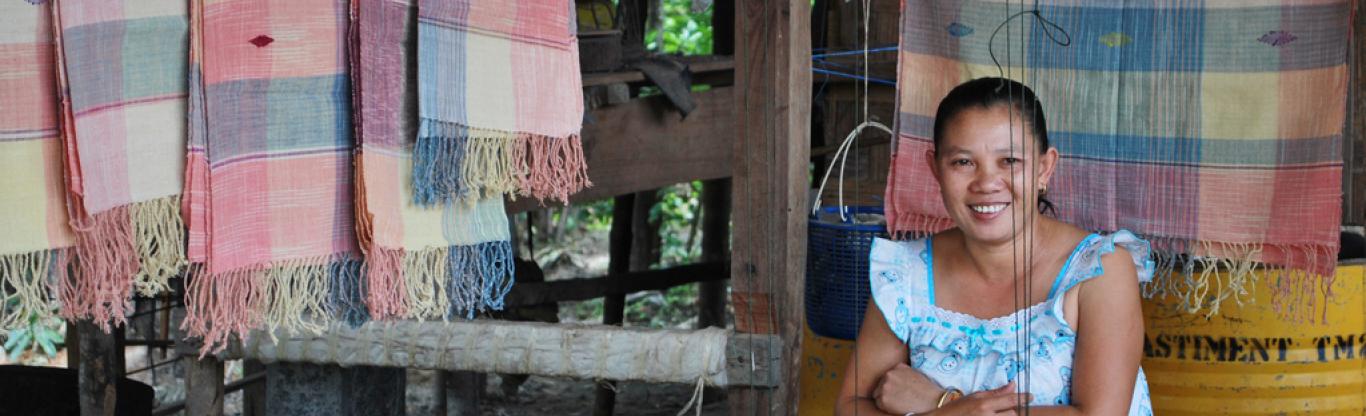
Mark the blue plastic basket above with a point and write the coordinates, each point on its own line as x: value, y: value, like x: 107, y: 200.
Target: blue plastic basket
x: 837, y: 270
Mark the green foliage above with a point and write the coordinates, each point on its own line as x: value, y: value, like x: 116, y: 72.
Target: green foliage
x: 43, y: 336
x: 668, y: 309
x: 676, y: 215
x: 685, y: 32
x: 594, y: 216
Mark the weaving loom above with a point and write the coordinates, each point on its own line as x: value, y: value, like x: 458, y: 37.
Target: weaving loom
x: 122, y: 79
x: 1211, y: 128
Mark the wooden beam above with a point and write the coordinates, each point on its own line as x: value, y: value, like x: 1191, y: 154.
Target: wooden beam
x: 698, y: 65
x: 540, y: 293
x: 646, y: 145
x: 772, y: 150
x: 595, y: 352
x: 99, y: 372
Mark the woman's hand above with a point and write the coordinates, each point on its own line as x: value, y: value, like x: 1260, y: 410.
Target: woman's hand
x: 1000, y: 401
x: 904, y: 389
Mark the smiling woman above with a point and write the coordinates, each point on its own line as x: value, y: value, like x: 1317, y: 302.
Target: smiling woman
x: 1011, y: 309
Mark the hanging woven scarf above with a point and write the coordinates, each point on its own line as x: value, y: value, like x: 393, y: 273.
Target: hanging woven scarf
x: 450, y: 260
x: 1213, y: 130
x: 35, y: 250
x: 268, y: 180
x: 122, y: 77
x: 500, y: 101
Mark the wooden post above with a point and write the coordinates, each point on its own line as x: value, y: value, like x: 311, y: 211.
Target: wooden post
x: 99, y: 375
x: 464, y: 390
x: 711, y: 301
x: 1354, y: 141
x: 203, y: 377
x: 73, y: 346
x: 723, y: 27
x: 645, y: 242
x: 772, y: 149
x: 632, y: 15
x: 614, y: 306
x: 254, y: 395
x: 203, y: 385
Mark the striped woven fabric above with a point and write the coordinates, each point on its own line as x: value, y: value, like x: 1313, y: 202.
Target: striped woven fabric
x: 268, y: 190
x: 122, y: 78
x: 36, y: 246
x: 500, y: 101
x: 423, y: 262
x: 1213, y: 128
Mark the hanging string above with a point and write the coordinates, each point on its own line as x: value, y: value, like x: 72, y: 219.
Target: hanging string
x: 1050, y: 29
x: 1016, y: 267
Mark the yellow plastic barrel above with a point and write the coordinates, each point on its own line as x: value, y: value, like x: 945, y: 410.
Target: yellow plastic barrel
x: 823, y: 361
x: 1249, y: 360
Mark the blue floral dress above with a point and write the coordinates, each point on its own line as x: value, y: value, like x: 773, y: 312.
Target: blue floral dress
x: 961, y: 351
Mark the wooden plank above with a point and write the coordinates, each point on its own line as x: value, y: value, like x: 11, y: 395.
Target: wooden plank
x: 772, y: 150
x: 540, y: 293
x: 99, y: 372
x: 645, y: 145
x: 595, y: 352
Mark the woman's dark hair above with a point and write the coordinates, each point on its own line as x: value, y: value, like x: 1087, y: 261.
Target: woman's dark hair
x: 991, y: 92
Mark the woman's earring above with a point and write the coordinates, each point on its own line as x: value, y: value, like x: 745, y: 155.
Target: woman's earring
x: 1043, y: 190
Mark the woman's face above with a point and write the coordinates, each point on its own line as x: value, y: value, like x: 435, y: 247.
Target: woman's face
x: 990, y: 172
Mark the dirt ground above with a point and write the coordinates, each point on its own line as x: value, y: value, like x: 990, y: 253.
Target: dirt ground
x: 562, y: 396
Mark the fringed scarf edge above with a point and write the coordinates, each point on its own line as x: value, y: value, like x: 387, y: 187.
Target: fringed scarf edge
x: 309, y: 295
x: 30, y: 278
x: 439, y: 282
x: 138, y: 246
x: 294, y: 295
x: 452, y: 162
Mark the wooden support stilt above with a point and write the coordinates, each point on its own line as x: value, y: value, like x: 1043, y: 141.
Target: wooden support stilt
x: 99, y: 371
x: 614, y: 306
x: 203, y: 385
x: 443, y: 404
x: 464, y: 391
x: 203, y: 377
x: 253, y: 396
x: 1354, y: 143
x: 711, y: 301
x: 73, y: 346
x: 772, y: 150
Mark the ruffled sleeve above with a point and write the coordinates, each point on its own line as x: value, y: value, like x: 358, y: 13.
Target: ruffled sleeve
x: 1087, y: 264
x: 897, y: 279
